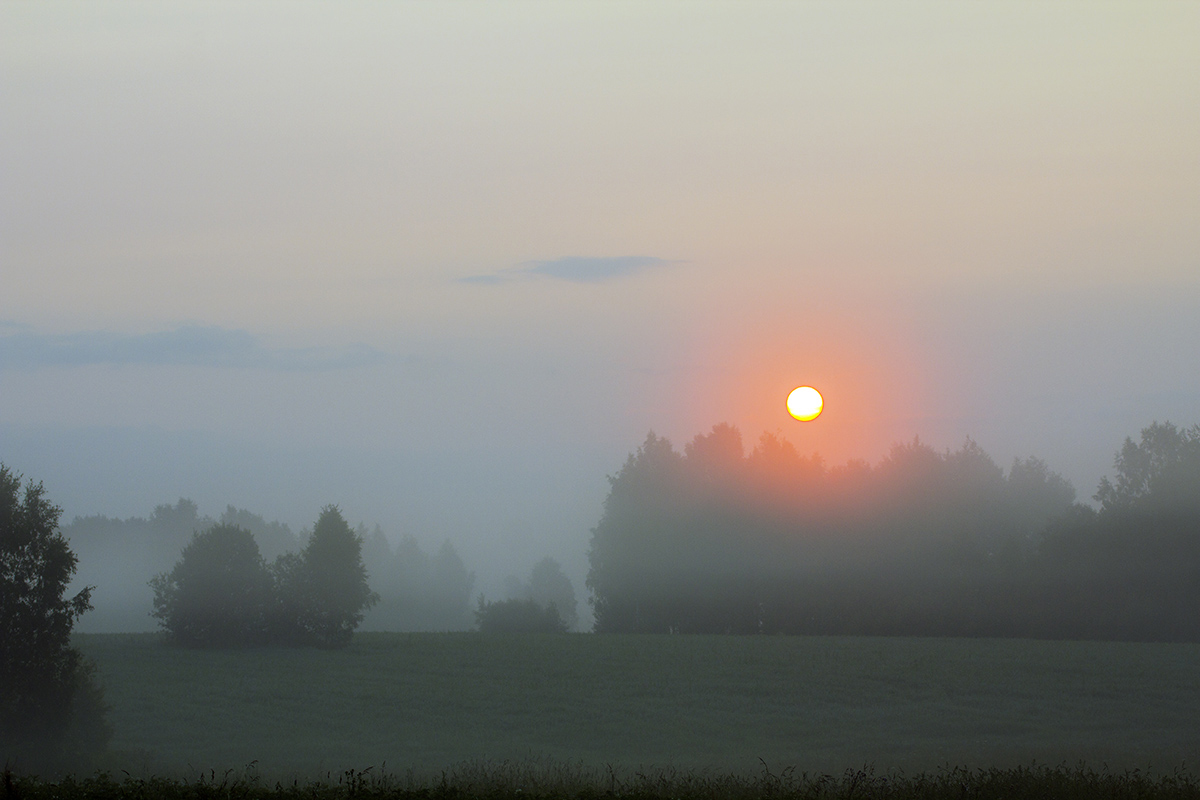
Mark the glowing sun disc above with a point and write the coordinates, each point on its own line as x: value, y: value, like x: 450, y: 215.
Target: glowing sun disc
x: 805, y: 403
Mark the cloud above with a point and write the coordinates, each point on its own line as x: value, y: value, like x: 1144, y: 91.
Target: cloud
x: 592, y: 270
x: 188, y: 345
x: 576, y: 269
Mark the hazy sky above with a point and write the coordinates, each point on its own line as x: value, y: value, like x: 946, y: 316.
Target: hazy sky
x: 446, y: 264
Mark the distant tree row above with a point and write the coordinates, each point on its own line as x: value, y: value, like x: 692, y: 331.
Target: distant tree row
x: 924, y: 543
x: 417, y: 591
x: 222, y: 592
x: 120, y: 556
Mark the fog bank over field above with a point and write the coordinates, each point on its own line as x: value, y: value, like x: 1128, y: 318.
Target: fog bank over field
x: 721, y: 536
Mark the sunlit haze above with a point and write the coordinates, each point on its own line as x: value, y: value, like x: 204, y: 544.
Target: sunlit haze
x: 446, y: 265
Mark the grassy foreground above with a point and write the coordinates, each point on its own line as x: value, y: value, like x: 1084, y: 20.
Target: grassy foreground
x: 521, y: 783
x: 414, y: 704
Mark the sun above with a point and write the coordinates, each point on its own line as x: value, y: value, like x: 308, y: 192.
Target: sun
x: 805, y: 403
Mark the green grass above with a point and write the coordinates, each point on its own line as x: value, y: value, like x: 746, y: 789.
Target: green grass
x: 423, y: 702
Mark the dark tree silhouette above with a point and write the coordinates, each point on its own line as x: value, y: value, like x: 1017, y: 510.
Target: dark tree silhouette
x: 518, y: 616
x: 712, y: 540
x: 1132, y: 570
x: 51, y: 710
x: 323, y: 591
x: 219, y: 594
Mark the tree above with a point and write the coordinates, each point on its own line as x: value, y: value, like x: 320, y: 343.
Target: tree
x: 218, y: 594
x: 628, y: 544
x: 323, y: 591
x: 51, y: 710
x: 1159, y: 473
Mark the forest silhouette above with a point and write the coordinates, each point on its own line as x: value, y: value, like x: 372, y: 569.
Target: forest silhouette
x: 925, y: 543
x: 715, y: 539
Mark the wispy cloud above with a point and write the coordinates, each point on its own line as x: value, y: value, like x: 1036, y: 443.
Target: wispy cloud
x: 576, y: 269
x: 188, y: 345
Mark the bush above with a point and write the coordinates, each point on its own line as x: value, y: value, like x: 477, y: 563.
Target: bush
x: 518, y: 616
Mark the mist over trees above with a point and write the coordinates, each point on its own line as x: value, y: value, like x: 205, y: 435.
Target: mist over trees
x: 222, y: 594
x: 518, y: 616
x: 417, y: 591
x: 713, y: 538
x: 924, y: 543
x: 120, y: 556
x: 546, y: 586
x: 1132, y: 569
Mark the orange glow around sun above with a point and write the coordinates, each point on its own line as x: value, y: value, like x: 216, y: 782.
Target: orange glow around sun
x: 874, y: 378
x: 805, y: 403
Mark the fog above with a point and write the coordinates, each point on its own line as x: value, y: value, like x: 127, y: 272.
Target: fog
x: 323, y: 324
x: 446, y: 269
x: 720, y: 535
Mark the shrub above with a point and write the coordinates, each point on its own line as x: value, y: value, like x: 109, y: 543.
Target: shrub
x: 518, y: 616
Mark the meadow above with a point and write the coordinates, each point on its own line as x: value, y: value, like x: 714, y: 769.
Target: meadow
x: 416, y: 704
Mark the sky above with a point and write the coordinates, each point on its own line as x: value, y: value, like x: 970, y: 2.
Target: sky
x: 447, y: 264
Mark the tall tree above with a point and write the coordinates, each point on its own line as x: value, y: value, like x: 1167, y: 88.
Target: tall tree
x: 324, y: 591
x: 50, y: 706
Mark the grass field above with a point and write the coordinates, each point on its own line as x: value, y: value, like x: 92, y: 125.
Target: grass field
x: 428, y: 701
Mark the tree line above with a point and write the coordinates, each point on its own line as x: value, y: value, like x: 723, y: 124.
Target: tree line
x: 417, y: 590
x: 715, y: 540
